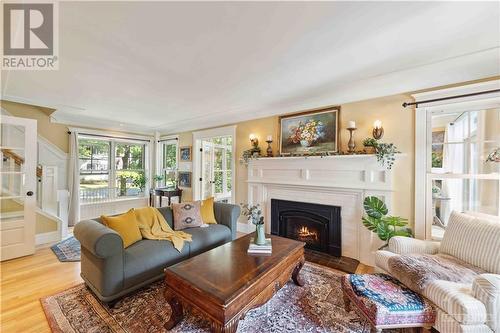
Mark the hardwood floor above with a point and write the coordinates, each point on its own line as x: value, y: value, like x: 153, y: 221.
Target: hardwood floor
x: 25, y: 280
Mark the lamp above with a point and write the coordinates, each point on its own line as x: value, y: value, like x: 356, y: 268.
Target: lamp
x: 254, y: 140
x: 378, y: 130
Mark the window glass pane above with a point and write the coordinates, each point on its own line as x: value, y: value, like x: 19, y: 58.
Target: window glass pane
x: 218, y: 179
x: 219, y: 152
x: 170, y: 155
x: 94, y: 187
x: 170, y: 178
x: 130, y: 183
x: 477, y: 195
x: 229, y: 180
x: 129, y: 156
x: 94, y: 156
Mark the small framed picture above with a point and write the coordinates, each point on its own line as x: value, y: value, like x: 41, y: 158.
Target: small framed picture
x: 185, y: 154
x: 184, y: 178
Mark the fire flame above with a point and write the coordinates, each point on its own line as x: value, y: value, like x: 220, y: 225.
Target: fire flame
x: 304, y: 232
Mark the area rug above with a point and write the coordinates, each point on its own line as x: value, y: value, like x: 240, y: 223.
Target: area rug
x: 316, y: 307
x: 67, y: 249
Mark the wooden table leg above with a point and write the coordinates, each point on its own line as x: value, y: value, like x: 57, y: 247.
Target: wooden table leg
x: 177, y: 312
x: 160, y: 199
x: 169, y: 200
x: 296, y: 274
x: 230, y: 327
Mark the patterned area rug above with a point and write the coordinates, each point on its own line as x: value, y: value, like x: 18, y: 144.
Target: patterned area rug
x: 67, y: 249
x: 316, y: 307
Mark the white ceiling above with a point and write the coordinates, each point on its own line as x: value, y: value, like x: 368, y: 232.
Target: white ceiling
x: 170, y: 66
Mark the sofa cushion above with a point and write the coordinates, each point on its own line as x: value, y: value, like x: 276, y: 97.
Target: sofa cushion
x: 207, y: 238
x: 473, y: 240
x: 456, y: 300
x: 187, y: 215
x: 147, y: 259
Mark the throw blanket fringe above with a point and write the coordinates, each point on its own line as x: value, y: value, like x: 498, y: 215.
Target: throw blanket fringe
x: 153, y: 226
x: 416, y: 271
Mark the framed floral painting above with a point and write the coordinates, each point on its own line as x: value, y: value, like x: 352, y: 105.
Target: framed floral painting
x: 311, y: 132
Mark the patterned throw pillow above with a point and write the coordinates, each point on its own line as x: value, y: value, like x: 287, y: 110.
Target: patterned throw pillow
x: 187, y: 215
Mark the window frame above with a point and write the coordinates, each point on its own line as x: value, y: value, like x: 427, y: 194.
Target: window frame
x: 113, y: 139
x: 424, y: 173
x: 162, y: 142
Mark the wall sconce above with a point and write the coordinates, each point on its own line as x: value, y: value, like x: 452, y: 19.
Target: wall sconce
x: 254, y: 141
x: 378, y: 130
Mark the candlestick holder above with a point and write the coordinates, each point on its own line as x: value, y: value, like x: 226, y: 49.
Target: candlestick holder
x: 269, y: 150
x: 351, y: 145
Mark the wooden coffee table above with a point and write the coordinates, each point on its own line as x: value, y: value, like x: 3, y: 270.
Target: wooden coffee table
x: 225, y: 282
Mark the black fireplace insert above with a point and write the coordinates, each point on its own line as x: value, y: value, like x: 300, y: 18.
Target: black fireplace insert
x: 319, y: 226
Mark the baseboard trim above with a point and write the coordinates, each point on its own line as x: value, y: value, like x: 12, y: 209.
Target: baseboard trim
x: 47, y: 237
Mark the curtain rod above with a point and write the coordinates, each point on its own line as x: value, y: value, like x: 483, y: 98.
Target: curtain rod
x: 168, y: 139
x: 450, y: 97
x: 112, y: 137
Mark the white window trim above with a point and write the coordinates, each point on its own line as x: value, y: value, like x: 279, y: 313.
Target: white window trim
x: 197, y: 138
x: 423, y: 181
x: 124, y: 137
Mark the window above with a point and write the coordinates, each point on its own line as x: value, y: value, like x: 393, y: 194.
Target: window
x: 103, y: 180
x: 452, y: 170
x: 459, y: 172
x: 129, y: 166
x: 169, y: 162
x: 217, y: 168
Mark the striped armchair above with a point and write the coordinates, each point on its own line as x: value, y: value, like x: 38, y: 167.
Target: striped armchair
x: 473, y: 307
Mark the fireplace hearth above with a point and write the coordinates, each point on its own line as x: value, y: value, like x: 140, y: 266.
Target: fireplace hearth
x: 319, y: 226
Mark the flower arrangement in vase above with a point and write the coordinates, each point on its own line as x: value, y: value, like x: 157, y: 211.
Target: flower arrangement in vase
x: 254, y: 215
x: 308, y: 133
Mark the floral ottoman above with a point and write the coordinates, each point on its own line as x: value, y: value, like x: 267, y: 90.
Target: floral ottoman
x: 385, y: 302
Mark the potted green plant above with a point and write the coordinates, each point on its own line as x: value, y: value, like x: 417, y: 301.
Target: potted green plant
x: 370, y: 145
x: 385, y: 226
x: 158, y: 179
x: 386, y: 154
x: 254, y: 215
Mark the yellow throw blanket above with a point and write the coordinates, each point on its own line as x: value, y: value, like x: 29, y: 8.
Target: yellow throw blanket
x: 153, y: 226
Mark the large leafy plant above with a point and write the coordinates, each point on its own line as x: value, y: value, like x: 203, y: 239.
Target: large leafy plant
x: 385, y: 226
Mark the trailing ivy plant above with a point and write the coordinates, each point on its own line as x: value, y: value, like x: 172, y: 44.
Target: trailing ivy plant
x: 385, y: 226
x: 370, y: 142
x: 386, y: 154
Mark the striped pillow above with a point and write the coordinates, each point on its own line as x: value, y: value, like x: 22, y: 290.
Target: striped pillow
x: 473, y: 240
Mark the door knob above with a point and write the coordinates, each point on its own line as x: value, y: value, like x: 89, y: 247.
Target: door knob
x: 29, y: 193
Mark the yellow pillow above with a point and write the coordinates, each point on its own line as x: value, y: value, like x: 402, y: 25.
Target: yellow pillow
x: 125, y: 225
x: 207, y: 211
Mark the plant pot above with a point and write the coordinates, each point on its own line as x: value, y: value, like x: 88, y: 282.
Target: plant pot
x: 370, y: 149
x: 260, y: 236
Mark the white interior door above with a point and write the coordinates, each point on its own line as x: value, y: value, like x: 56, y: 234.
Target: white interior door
x: 18, y: 186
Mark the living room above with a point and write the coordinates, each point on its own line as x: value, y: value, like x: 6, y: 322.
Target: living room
x: 250, y: 166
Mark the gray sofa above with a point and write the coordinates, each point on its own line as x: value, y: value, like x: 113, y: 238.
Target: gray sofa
x: 111, y: 271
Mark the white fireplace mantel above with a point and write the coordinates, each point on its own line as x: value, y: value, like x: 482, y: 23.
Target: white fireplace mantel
x: 343, y: 181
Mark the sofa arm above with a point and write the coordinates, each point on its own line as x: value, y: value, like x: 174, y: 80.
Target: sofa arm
x: 98, y: 239
x: 227, y: 215
x: 486, y: 288
x: 407, y: 245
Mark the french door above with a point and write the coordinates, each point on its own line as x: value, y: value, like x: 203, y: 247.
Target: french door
x: 216, y: 168
x: 18, y: 185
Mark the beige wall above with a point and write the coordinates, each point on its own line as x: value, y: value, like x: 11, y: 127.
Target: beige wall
x: 53, y: 132
x: 398, y: 124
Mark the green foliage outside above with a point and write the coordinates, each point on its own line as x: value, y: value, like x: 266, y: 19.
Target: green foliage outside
x: 385, y: 226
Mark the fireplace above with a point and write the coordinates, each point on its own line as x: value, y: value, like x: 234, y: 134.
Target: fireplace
x: 319, y: 226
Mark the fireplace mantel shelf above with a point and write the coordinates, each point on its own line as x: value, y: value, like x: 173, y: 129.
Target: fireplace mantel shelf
x: 317, y: 157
